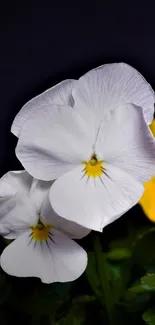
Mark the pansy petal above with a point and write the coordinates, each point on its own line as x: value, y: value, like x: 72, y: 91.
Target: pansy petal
x: 71, y: 229
x: 15, y: 182
x: 60, y: 260
x: 6, y: 205
x: 147, y: 201
x: 19, y: 216
x: 93, y: 202
x: 38, y: 191
x: 16, y: 210
x: 152, y: 127
x: 102, y: 90
x: 125, y: 141
x: 59, y: 94
x: 54, y: 142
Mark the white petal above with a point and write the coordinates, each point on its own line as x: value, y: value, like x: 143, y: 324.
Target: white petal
x: 15, y: 182
x: 61, y: 261
x: 111, y: 85
x: 94, y: 202
x: 125, y: 141
x: 59, y: 94
x: 54, y: 142
x: 39, y: 190
x: 19, y: 216
x: 16, y: 210
x: 71, y: 229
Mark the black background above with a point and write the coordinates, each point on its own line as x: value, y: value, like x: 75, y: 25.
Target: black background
x: 44, y: 43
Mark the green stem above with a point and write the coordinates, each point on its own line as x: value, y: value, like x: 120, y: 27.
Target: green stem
x: 104, y: 280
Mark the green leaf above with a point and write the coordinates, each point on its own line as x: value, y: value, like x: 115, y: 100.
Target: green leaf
x: 143, y: 249
x: 85, y: 299
x: 149, y: 316
x: 137, y: 288
x: 144, y: 231
x: 133, y: 237
x: 134, y: 302
x: 120, y: 243
x: 75, y: 316
x: 92, y: 274
x: 118, y: 254
x: 146, y: 284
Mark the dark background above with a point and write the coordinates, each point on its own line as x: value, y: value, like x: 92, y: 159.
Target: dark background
x: 44, y: 43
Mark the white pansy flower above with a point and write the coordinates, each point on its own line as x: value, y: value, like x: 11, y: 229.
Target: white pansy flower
x: 100, y: 153
x: 104, y: 87
x: 43, y: 246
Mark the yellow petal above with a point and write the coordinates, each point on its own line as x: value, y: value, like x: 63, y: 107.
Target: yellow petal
x: 152, y: 127
x: 147, y: 201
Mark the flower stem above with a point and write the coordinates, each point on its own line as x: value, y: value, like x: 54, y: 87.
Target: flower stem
x: 104, y: 279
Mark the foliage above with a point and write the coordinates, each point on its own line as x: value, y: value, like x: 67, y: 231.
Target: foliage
x: 118, y: 285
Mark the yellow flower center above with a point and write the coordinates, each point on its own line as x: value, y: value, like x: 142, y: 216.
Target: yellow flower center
x: 40, y: 232
x: 93, y: 167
